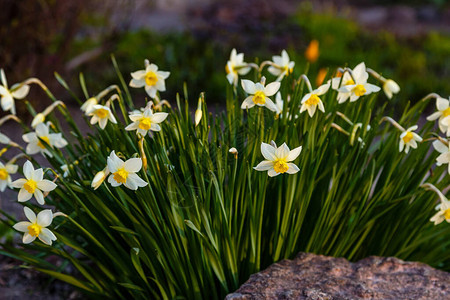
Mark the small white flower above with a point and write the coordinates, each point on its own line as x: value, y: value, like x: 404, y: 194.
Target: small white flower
x: 101, y: 114
x: 87, y: 106
x: 443, y: 207
x: 8, y: 95
x: 443, y: 113
x: 259, y: 94
x: 99, y: 178
x: 146, y: 120
x: 278, y: 160
x: 36, y: 227
x: 5, y: 174
x: 282, y: 66
x: 409, y: 139
x: 125, y: 172
x: 444, y: 158
x: 150, y: 78
x: 235, y: 67
x: 355, y: 87
x: 390, y: 87
x: 33, y: 184
x: 311, y: 100
x: 51, y: 139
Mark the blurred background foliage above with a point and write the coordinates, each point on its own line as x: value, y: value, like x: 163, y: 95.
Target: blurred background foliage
x: 40, y: 37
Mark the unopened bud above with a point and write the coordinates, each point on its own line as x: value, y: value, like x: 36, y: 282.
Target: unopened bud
x: 234, y: 152
x: 390, y: 87
x: 99, y: 178
x: 87, y: 106
x: 39, y: 118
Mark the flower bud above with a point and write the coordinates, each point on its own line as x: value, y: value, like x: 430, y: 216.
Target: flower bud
x: 99, y: 178
x: 390, y: 87
x: 39, y: 118
x: 87, y: 106
x: 234, y: 152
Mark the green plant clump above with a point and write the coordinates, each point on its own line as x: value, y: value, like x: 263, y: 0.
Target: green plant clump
x: 159, y: 202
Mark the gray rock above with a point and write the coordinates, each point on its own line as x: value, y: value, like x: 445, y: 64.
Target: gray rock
x: 311, y: 276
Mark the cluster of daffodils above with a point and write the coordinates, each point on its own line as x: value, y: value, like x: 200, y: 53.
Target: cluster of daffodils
x: 348, y: 84
x: 33, y: 185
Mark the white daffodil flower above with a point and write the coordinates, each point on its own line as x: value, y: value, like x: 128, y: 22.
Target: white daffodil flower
x: 443, y: 113
x: 150, y: 78
x: 65, y: 169
x: 125, y: 172
x: 355, y: 87
x: 88, y: 104
x: 282, y: 65
x: 101, y: 114
x: 444, y: 158
x: 312, y: 100
x: 409, y: 139
x: 278, y: 160
x: 36, y: 227
x: 443, y: 207
x: 33, y: 184
x: 259, y: 94
x: 390, y: 87
x: 5, y: 174
x: 42, y: 132
x: 235, y: 67
x: 146, y: 120
x: 8, y: 95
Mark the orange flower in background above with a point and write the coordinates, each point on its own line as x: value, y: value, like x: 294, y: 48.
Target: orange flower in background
x: 312, y: 52
x: 321, y: 76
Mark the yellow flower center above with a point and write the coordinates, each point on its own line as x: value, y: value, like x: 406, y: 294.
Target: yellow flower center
x: 446, y: 112
x: 30, y: 186
x: 359, y: 90
x: 101, y: 113
x: 151, y: 78
x: 288, y: 70
x: 350, y: 82
x: 447, y: 214
x: 228, y: 69
x: 34, y: 229
x: 313, y: 100
x: 408, y: 137
x: 259, y: 98
x: 145, y: 123
x: 45, y: 139
x: 3, y: 174
x: 121, y: 175
x: 280, y: 166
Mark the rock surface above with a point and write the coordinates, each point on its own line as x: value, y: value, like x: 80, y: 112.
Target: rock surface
x: 311, y: 276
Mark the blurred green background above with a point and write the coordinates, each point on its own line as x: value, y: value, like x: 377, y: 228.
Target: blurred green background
x: 407, y: 41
